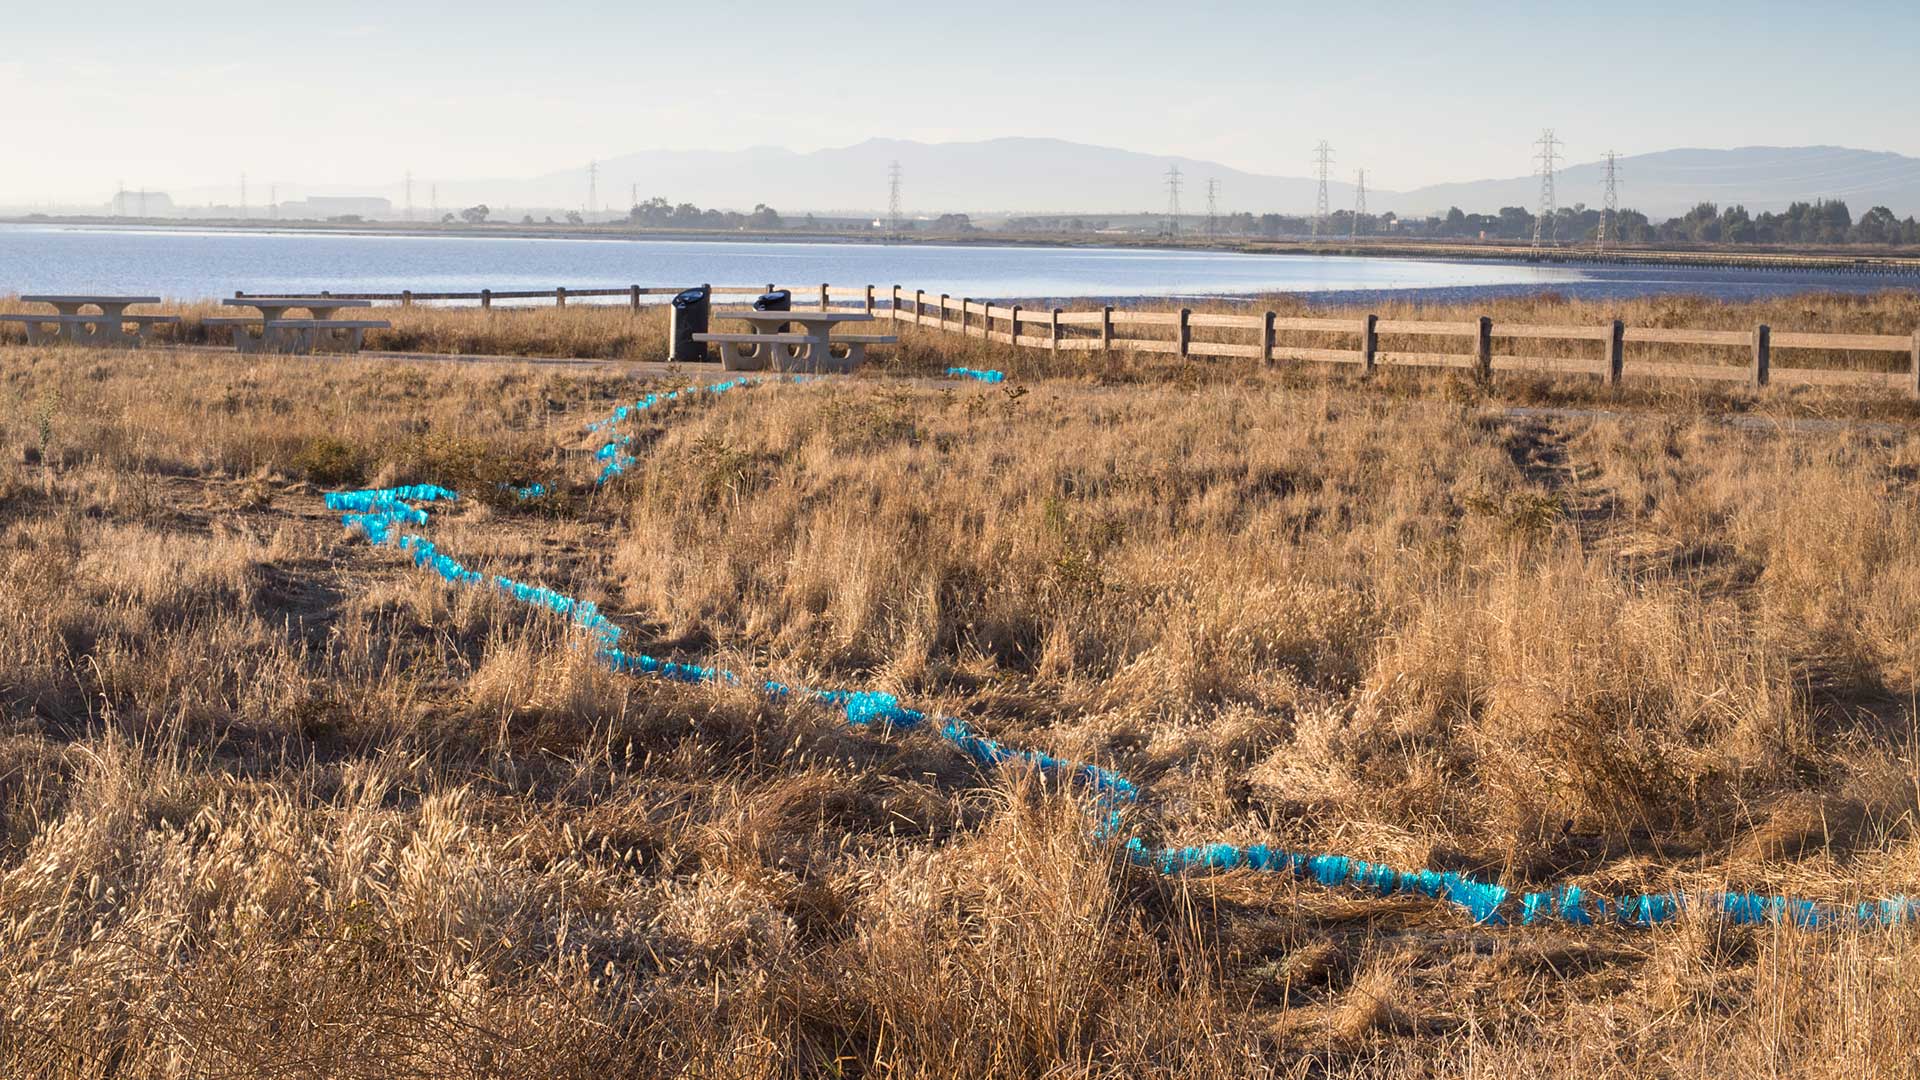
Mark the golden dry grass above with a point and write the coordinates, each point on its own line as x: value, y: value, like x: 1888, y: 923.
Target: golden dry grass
x: 274, y: 802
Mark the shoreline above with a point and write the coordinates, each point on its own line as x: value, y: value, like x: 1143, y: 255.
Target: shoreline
x: 1900, y: 263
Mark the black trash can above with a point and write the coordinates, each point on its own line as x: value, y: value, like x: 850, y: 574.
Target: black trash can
x: 692, y: 312
x: 777, y: 300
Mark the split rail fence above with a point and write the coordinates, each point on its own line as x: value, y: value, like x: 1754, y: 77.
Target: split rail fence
x: 1468, y: 346
x: 1356, y: 341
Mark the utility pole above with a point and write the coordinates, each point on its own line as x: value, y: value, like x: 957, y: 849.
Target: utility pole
x: 1359, y: 200
x: 893, y: 200
x: 1544, y: 225
x: 273, y: 201
x: 433, y: 201
x: 1322, y: 162
x: 119, y: 198
x: 1173, y: 201
x: 633, y: 195
x: 593, y: 187
x: 1213, y: 207
x: 1609, y: 203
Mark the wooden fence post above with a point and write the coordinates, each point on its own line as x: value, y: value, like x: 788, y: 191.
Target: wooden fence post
x: 633, y: 296
x: 486, y: 299
x: 823, y: 296
x: 1013, y: 327
x: 1483, y: 349
x: 406, y: 297
x: 893, y: 308
x: 1266, y: 340
x: 1616, y: 353
x: 943, y: 311
x: 919, y: 304
x: 869, y: 299
x: 1762, y: 354
x: 964, y: 324
x: 1053, y: 339
x: 1106, y: 328
x: 560, y: 297
x: 1186, y: 330
x: 1369, y: 344
x: 1913, y: 373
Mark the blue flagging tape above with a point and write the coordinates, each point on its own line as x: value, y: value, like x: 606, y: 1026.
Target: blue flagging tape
x: 974, y: 373
x: 379, y: 513
x: 613, y: 455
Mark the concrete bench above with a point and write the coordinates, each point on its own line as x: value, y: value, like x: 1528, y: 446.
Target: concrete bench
x: 809, y: 353
x: 299, y: 336
x: 105, y: 329
x: 752, y: 352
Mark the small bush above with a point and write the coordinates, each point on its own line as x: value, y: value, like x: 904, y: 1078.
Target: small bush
x: 330, y: 461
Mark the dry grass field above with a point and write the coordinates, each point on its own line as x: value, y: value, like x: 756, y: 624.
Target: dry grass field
x: 275, y: 802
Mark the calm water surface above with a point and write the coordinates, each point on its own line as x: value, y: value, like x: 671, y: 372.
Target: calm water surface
x: 187, y: 263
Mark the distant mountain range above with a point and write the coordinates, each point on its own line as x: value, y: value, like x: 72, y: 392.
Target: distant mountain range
x: 1024, y: 175
x: 1011, y: 176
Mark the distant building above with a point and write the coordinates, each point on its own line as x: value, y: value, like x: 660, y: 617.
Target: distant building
x: 141, y: 204
x: 323, y: 207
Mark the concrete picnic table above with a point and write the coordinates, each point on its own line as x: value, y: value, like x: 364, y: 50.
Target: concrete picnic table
x: 810, y: 348
x: 73, y: 326
x: 320, y: 332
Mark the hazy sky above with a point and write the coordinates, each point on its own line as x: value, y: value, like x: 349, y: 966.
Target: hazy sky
x: 192, y: 93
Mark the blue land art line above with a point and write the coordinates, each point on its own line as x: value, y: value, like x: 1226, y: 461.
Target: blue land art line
x: 379, y: 515
x: 973, y: 373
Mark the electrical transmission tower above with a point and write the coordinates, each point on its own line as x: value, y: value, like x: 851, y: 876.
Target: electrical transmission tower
x: 1544, y: 226
x: 1609, y: 203
x: 893, y: 200
x: 593, y: 187
x: 273, y: 201
x: 1173, y: 200
x: 1322, y: 161
x: 433, y: 201
x: 1213, y: 208
x: 1359, y: 199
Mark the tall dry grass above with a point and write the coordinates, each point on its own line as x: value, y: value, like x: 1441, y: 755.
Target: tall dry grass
x: 276, y: 803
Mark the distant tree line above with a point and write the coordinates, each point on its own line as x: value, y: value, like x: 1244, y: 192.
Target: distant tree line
x: 658, y: 213
x: 1819, y: 222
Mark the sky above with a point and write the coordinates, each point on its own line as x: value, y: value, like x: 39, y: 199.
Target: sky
x: 192, y: 94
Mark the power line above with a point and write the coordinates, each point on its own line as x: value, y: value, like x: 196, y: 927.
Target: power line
x: 1609, y: 202
x: 1544, y: 225
x: 893, y: 199
x: 1323, y: 161
x: 1359, y: 199
x: 1213, y: 208
x: 1173, y: 200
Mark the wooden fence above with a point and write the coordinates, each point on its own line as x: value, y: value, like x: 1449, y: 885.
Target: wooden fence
x: 1464, y: 345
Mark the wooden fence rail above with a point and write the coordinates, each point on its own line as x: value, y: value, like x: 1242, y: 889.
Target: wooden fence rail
x: 1345, y: 340
x: 1096, y: 331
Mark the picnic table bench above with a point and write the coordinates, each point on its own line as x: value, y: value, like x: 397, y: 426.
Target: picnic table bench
x: 107, y: 326
x: 770, y: 344
x: 281, y: 333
